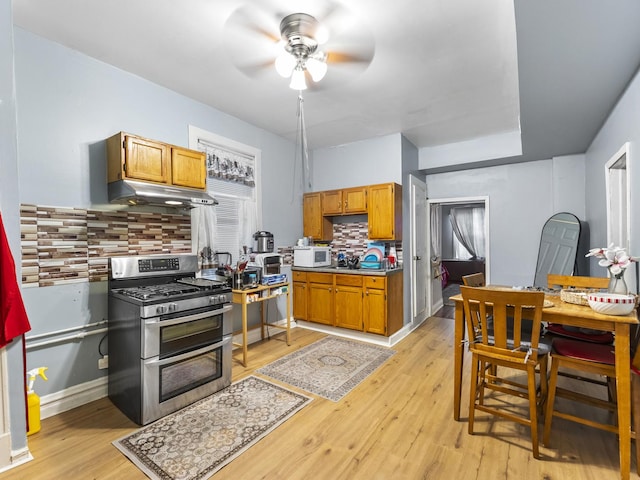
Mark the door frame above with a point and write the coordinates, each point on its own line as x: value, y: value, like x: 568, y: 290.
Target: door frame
x: 487, y: 237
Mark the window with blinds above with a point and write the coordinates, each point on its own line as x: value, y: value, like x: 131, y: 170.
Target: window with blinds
x: 232, y: 179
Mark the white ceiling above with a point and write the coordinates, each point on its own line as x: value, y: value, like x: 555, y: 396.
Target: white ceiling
x: 443, y: 71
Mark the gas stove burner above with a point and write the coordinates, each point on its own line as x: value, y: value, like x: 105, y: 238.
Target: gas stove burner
x: 154, y: 291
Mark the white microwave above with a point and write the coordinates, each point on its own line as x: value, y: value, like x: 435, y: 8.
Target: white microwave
x: 311, y: 256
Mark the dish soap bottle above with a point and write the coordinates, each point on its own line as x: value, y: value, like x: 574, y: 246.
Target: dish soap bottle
x: 392, y: 257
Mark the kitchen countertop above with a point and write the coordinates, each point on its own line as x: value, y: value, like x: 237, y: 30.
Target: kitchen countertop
x: 348, y: 271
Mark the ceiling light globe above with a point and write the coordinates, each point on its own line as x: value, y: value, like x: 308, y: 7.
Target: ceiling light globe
x: 316, y: 68
x: 297, y: 80
x: 285, y: 63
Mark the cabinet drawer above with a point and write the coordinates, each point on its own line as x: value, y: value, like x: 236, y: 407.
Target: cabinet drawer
x: 299, y: 276
x: 349, y: 280
x: 374, y: 282
x: 320, y: 277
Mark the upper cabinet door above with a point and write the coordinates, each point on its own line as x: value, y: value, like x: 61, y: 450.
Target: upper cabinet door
x: 188, y: 168
x: 146, y: 160
x: 355, y: 200
x: 385, y: 212
x: 332, y: 202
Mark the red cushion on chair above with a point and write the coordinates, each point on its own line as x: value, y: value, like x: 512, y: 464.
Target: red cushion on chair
x: 635, y: 370
x: 604, y: 337
x: 590, y: 352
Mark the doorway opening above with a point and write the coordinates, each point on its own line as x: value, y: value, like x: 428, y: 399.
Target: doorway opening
x: 459, y: 246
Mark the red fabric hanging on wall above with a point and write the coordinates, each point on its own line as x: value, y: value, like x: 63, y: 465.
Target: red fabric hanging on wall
x: 13, y: 316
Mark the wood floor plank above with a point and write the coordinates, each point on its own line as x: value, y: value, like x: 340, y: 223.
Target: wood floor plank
x: 397, y: 424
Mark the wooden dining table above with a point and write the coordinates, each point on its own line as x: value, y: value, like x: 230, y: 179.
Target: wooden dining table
x: 576, y: 316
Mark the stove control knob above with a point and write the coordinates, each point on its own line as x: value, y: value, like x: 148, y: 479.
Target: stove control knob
x: 214, y: 299
x: 173, y: 307
x: 160, y: 309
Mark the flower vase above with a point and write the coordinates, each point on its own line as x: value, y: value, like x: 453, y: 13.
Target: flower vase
x: 618, y: 285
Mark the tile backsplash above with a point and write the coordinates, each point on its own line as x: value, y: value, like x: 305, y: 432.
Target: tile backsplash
x: 348, y: 238
x: 69, y: 245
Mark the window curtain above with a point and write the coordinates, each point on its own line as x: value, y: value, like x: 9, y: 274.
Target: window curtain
x: 468, y: 228
x: 231, y: 180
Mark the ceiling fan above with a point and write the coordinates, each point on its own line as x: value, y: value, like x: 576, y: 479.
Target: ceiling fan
x: 325, y: 42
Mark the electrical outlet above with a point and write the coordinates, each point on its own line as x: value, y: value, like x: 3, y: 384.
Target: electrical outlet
x: 103, y: 362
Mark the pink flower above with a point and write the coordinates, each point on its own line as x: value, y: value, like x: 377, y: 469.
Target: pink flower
x: 614, y: 258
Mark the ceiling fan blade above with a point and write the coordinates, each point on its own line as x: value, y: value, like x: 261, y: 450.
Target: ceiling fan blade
x: 343, y: 57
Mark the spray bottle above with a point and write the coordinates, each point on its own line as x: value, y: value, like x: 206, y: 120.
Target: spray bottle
x: 33, y: 400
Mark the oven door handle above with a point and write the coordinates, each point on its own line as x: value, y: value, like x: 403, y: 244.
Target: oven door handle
x: 183, y: 356
x: 190, y: 318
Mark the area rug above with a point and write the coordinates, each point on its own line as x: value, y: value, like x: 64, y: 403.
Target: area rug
x: 197, y: 441
x: 449, y: 291
x: 330, y: 367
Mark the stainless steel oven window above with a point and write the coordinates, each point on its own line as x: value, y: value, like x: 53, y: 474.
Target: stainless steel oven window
x: 180, y: 377
x: 187, y: 330
x: 191, y: 332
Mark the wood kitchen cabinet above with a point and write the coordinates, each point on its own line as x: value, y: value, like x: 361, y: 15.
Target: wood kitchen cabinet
x: 366, y: 303
x: 348, y: 201
x: 299, y: 295
x: 314, y: 224
x: 385, y: 211
x: 382, y: 304
x: 136, y: 158
x: 348, y: 301
x: 320, y: 305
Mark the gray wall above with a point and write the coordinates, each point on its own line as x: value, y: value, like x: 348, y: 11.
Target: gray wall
x: 10, y: 213
x: 622, y: 126
x: 521, y: 198
x: 68, y: 104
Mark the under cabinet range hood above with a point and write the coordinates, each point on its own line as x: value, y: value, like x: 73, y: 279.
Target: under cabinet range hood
x: 131, y: 192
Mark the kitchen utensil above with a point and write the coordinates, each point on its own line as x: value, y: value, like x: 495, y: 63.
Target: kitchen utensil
x: 352, y: 262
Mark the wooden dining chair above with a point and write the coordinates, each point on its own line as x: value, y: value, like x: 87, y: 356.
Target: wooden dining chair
x: 575, y: 281
x: 497, y: 346
x: 591, y: 358
x: 474, y: 280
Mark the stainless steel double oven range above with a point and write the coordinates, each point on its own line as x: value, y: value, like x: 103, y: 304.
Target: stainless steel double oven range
x: 169, y: 335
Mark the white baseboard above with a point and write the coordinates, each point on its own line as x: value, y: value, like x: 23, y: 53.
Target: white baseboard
x: 355, y: 335
x: 18, y: 457
x: 73, y: 397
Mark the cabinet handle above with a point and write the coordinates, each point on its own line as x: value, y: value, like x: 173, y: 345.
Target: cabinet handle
x: 329, y: 288
x: 345, y: 204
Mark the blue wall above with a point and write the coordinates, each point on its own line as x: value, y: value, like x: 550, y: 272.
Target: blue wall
x: 521, y: 198
x: 68, y: 104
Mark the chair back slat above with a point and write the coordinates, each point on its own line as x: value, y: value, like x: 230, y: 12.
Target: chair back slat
x: 474, y: 280
x: 502, y: 306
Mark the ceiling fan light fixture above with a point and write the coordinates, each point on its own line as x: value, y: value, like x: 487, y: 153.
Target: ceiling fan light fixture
x: 297, y: 79
x: 285, y: 63
x: 316, y: 68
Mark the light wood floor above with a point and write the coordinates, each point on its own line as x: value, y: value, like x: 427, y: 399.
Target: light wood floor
x: 397, y: 424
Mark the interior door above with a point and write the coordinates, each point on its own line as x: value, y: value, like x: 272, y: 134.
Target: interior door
x: 558, y: 247
x: 420, y: 256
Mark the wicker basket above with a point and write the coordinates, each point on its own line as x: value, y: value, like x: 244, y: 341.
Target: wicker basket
x: 578, y: 296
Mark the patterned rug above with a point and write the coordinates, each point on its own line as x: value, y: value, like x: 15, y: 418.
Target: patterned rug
x: 330, y: 367
x: 197, y: 441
